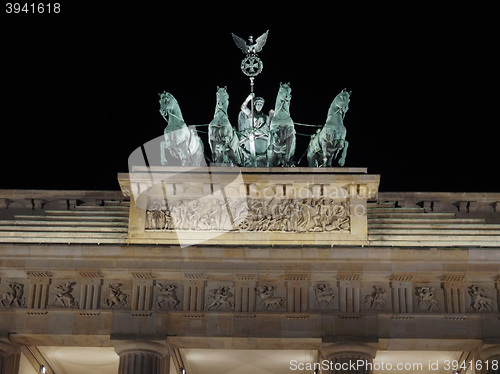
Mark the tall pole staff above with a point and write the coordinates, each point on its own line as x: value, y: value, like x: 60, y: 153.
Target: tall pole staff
x: 253, y: 154
x: 251, y: 66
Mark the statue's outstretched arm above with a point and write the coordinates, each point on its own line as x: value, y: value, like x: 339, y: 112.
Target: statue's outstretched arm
x: 271, y: 115
x: 244, y: 106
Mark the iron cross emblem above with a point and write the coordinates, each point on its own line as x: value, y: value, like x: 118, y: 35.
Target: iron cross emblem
x: 251, y: 65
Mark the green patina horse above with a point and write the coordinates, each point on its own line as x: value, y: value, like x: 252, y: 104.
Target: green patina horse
x: 183, y: 143
x: 281, y: 144
x: 329, y: 142
x: 223, y: 139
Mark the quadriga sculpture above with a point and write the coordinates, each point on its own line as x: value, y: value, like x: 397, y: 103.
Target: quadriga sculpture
x: 223, y: 139
x: 183, y: 143
x: 329, y: 142
x: 281, y: 146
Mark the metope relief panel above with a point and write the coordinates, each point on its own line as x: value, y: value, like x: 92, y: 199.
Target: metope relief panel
x: 219, y: 297
x: 376, y: 298
x: 324, y: 296
x: 250, y: 214
x: 12, y: 293
x: 271, y: 297
x: 64, y: 294
x: 428, y: 298
x: 116, y: 295
x: 481, y: 298
x: 167, y: 295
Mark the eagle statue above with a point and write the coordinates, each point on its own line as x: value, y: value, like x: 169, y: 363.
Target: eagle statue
x: 251, y: 46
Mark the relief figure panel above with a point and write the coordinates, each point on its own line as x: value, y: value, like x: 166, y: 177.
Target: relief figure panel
x: 251, y: 214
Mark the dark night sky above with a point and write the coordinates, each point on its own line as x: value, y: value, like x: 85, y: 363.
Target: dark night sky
x: 80, y: 89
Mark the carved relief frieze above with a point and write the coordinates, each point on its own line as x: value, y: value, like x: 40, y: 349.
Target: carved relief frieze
x: 268, y: 300
x: 215, y: 204
x: 479, y: 299
x: 64, y: 296
x: 324, y: 298
x: 220, y: 298
x: 167, y: 298
x: 116, y: 298
x: 425, y: 299
x: 12, y: 295
x: 376, y: 299
x: 250, y: 214
x: 262, y: 292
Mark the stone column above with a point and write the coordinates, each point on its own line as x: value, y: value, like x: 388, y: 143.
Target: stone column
x: 9, y: 358
x: 348, y: 358
x: 489, y: 359
x: 142, y: 357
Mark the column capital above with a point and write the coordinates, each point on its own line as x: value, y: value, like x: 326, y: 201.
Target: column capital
x: 330, y: 350
x: 6, y: 347
x: 157, y: 348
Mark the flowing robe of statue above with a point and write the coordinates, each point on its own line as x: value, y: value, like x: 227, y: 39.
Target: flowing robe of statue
x: 253, y: 128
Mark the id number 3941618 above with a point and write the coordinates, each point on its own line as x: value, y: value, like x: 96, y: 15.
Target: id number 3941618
x: 32, y: 8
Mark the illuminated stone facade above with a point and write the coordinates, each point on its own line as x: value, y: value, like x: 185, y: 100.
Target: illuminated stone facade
x: 323, y: 262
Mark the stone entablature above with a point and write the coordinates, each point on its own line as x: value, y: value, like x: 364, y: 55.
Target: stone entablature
x: 52, y: 217
x: 319, y: 290
x: 420, y: 274
x: 392, y: 219
x: 224, y: 303
x: 71, y: 268
x: 482, y: 204
x: 275, y: 206
x: 200, y: 292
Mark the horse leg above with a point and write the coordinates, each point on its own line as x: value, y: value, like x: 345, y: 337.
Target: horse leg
x: 310, y: 160
x: 163, y: 147
x: 271, y: 157
x: 326, y: 159
x: 159, y: 302
x: 344, y: 153
x: 290, y: 146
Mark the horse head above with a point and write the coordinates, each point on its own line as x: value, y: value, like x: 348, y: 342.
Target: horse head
x: 284, y: 92
x: 283, y: 98
x: 222, y: 99
x: 341, y: 101
x: 169, y: 105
